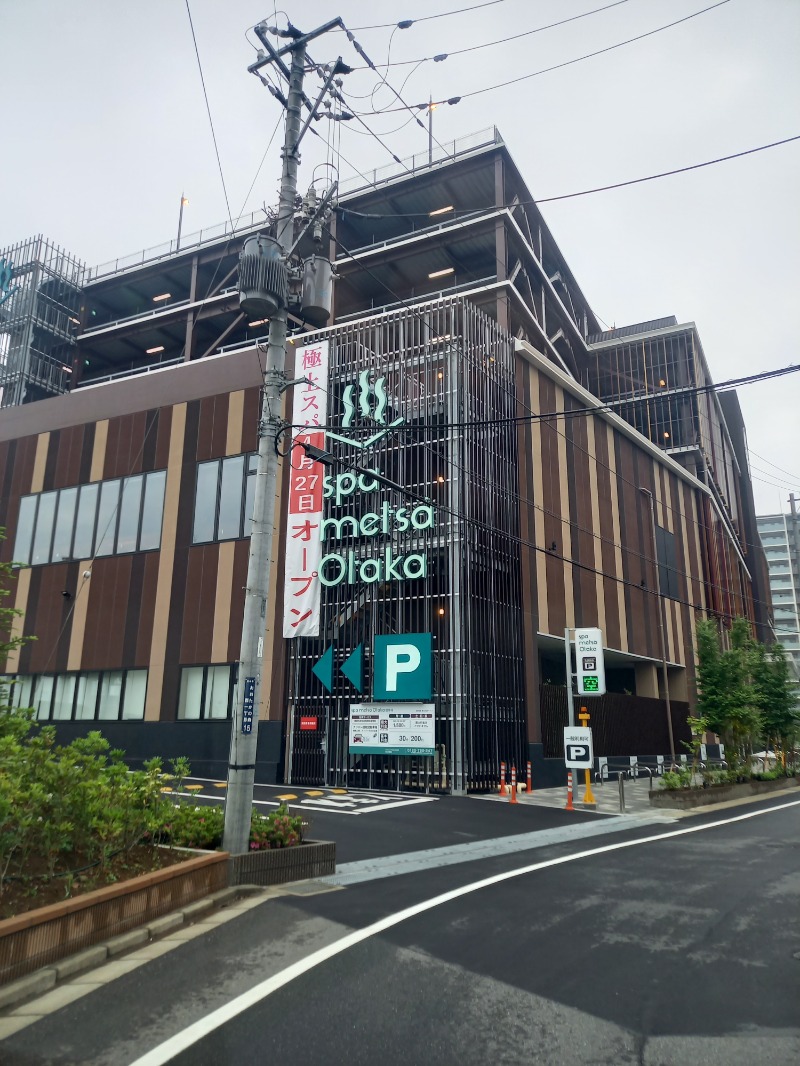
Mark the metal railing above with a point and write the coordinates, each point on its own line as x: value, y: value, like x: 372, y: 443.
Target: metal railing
x: 130, y: 373
x: 377, y: 176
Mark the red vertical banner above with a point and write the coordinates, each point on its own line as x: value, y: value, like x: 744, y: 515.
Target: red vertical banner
x: 301, y: 594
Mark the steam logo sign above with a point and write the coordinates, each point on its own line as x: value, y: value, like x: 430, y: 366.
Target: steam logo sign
x: 372, y: 401
x: 375, y: 414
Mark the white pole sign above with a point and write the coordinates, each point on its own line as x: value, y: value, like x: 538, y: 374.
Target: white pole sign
x: 578, y: 752
x: 590, y: 669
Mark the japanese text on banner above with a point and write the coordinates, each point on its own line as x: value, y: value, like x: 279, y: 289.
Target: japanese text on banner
x: 301, y: 595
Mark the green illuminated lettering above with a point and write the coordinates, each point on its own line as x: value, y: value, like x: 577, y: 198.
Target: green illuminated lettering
x: 371, y: 571
x: 338, y: 525
x: 339, y: 561
x: 421, y: 568
x: 422, y: 517
x: 370, y: 524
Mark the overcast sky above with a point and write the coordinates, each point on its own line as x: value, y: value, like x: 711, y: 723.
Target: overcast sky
x: 104, y: 125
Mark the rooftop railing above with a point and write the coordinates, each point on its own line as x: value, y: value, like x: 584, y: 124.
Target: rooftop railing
x: 377, y: 176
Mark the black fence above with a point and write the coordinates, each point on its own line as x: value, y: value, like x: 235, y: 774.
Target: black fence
x: 621, y: 725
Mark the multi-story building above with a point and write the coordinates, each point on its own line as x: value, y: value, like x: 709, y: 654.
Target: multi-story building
x: 542, y: 503
x: 780, y: 536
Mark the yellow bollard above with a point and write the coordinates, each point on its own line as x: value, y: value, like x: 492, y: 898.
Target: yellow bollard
x: 588, y: 795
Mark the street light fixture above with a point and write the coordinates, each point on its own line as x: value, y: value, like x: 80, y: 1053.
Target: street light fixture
x: 661, y: 619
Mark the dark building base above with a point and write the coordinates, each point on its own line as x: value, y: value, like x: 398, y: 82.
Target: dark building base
x: 205, y: 744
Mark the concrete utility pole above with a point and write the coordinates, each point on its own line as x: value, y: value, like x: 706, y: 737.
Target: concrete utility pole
x: 244, y: 727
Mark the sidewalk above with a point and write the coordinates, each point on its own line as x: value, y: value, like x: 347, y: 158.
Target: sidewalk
x: 637, y: 800
x: 607, y: 798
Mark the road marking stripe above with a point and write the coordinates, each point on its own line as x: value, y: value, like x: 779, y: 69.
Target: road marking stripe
x: 167, y: 1050
x: 397, y: 803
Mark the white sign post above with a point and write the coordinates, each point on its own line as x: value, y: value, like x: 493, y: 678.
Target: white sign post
x: 590, y: 668
x: 578, y: 750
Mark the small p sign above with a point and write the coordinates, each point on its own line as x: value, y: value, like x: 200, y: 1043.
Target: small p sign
x: 578, y: 753
x: 403, y: 667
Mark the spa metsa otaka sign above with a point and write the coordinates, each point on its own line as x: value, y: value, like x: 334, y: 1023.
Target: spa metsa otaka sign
x: 313, y: 556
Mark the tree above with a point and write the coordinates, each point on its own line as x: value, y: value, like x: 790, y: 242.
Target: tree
x: 775, y: 696
x: 728, y: 695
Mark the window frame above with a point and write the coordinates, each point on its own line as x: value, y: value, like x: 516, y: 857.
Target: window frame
x: 58, y: 681
x: 204, y: 715
x: 87, y: 490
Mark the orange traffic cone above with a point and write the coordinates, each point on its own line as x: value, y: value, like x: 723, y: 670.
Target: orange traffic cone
x: 513, y: 798
x: 503, y: 789
x: 569, y: 806
x: 529, y: 781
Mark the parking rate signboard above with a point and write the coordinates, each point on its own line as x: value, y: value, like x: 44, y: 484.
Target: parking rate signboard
x: 392, y: 729
x: 590, y: 671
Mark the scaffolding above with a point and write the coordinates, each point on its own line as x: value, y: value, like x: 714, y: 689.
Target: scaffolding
x: 39, y: 308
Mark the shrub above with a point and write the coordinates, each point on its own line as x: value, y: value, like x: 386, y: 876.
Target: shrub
x: 675, y: 779
x: 194, y: 827
x: 278, y: 829
x: 63, y: 807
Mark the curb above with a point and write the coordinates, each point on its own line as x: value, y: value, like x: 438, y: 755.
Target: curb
x: 49, y: 977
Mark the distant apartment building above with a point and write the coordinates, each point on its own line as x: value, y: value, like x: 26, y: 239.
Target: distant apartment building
x: 780, y: 536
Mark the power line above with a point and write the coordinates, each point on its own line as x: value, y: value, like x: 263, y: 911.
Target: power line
x: 406, y: 23
x: 769, y: 462
x: 777, y: 481
x: 504, y: 40
x: 569, y: 62
x: 461, y: 212
x: 384, y: 80
x: 208, y: 112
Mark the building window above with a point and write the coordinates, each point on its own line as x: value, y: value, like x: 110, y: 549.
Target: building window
x: 105, y: 518
x: 108, y: 695
x: 206, y: 692
x: 223, y: 502
x: 667, y: 563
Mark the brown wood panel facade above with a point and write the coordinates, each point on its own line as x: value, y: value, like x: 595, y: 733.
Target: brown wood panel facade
x: 587, y: 530
x: 181, y: 605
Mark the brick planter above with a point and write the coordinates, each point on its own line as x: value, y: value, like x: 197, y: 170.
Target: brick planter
x: 313, y: 858
x: 686, y: 798
x: 39, y: 937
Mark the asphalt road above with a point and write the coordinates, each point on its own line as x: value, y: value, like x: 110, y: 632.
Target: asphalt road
x: 663, y: 945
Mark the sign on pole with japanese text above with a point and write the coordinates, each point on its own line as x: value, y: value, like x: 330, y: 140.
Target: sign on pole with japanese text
x: 301, y: 594
x: 589, y: 663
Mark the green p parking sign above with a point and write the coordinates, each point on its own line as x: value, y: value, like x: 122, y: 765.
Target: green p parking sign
x: 403, y: 667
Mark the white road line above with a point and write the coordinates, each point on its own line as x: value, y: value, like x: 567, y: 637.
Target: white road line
x: 398, y: 803
x: 329, y: 806
x: 333, y: 805
x: 166, y: 1051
